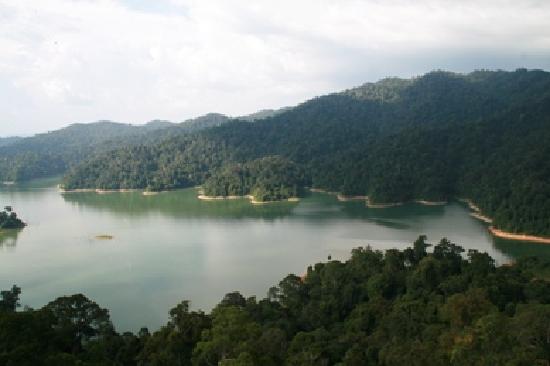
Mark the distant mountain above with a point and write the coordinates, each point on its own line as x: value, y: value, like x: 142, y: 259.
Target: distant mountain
x: 158, y: 124
x: 203, y: 122
x: 5, y: 141
x: 53, y: 152
x: 483, y: 135
x: 263, y: 114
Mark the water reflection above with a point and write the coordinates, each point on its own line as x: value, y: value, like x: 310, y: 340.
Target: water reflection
x: 516, y: 249
x: 315, y: 207
x: 177, y: 204
x: 8, y: 239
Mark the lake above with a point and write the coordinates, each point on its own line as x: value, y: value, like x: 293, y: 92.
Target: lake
x: 172, y: 246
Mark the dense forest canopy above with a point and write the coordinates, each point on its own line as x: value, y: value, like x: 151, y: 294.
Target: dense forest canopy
x: 482, y: 136
x: 410, y: 307
x: 54, y: 152
x: 266, y: 179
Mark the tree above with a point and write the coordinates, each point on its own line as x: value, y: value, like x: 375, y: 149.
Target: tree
x: 78, y: 320
x: 9, y: 301
x: 233, y: 334
x: 174, y: 343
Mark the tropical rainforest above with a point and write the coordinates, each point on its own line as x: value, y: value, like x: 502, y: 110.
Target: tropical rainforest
x: 409, y: 307
x: 54, y: 152
x: 270, y: 178
x: 483, y: 136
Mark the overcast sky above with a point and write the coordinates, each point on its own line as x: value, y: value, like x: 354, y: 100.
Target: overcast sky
x: 66, y: 61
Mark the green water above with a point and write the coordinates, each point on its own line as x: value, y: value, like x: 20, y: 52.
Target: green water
x: 172, y: 246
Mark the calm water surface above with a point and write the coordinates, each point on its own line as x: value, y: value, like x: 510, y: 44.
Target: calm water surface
x: 171, y: 247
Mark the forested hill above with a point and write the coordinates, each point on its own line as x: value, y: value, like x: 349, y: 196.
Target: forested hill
x: 51, y: 153
x: 54, y: 152
x: 483, y: 135
x: 5, y: 141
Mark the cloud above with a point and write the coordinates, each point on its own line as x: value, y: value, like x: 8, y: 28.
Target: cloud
x: 65, y: 61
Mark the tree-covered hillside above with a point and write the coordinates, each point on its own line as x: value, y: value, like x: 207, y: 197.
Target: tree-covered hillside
x: 5, y: 141
x: 482, y: 135
x: 55, y: 152
x: 270, y: 178
x: 51, y: 153
x: 410, y: 307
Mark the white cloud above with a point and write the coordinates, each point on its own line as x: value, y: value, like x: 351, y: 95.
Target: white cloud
x: 64, y: 61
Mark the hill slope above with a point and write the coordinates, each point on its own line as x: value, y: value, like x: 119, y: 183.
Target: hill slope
x: 54, y: 152
x: 482, y: 135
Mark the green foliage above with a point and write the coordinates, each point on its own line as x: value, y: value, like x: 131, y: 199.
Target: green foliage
x: 483, y: 136
x: 406, y: 307
x: 173, y: 344
x: 9, y: 219
x: 55, y: 152
x: 10, y: 299
x: 267, y: 179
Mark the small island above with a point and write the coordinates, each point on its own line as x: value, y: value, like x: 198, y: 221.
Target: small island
x: 9, y: 219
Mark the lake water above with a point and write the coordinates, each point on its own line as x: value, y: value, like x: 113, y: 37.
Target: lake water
x: 172, y: 246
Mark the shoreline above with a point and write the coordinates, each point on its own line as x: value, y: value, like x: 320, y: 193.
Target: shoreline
x: 476, y: 211
x: 149, y: 193
x: 221, y: 198
x: 251, y: 198
x: 431, y: 203
x: 107, y: 191
x: 383, y: 205
x: 485, y: 219
x: 321, y: 190
x: 344, y: 198
x: 514, y: 236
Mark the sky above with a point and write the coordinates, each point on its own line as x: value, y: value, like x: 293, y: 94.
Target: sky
x: 131, y: 61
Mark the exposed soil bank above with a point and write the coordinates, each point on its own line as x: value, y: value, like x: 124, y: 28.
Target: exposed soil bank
x: 476, y: 211
x: 219, y: 198
x: 150, y: 193
x: 104, y: 237
x: 107, y: 191
x: 382, y: 205
x: 97, y: 190
x: 320, y: 190
x: 501, y: 233
x: 431, y: 203
x: 344, y: 198
x: 523, y: 237
x: 249, y: 197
